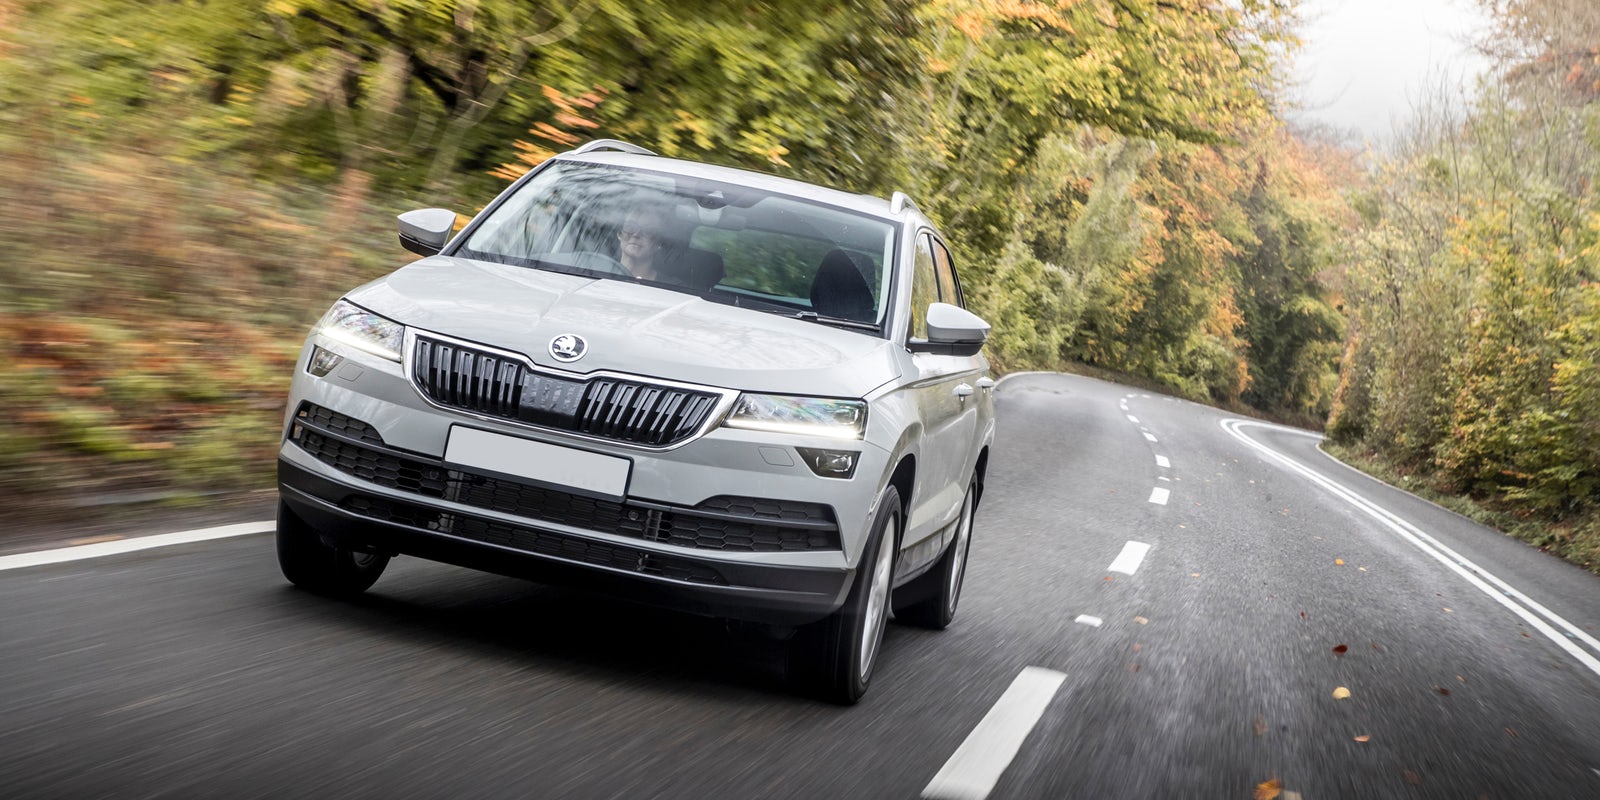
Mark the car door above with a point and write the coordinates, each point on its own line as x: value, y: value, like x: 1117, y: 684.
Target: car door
x: 947, y: 395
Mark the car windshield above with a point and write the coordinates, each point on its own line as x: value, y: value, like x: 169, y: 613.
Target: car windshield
x: 722, y: 241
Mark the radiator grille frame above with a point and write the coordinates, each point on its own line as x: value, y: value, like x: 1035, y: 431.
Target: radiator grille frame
x: 501, y: 385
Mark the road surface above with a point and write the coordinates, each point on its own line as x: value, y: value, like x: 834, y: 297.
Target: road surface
x: 1163, y: 601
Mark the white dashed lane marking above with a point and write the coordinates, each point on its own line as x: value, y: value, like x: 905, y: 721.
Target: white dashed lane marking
x: 1085, y: 619
x: 1133, y: 419
x: 1159, y: 495
x: 1161, y: 461
x: 1150, y: 437
x: 1130, y: 558
x: 976, y: 767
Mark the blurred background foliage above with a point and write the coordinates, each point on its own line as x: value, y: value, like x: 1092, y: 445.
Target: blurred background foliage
x: 185, y: 185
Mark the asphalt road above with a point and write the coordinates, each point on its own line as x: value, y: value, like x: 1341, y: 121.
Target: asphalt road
x: 1470, y: 660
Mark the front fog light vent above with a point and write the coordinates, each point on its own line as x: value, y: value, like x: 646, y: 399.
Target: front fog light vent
x: 829, y: 463
x: 322, y: 362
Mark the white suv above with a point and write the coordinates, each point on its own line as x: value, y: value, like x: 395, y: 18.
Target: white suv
x: 698, y: 387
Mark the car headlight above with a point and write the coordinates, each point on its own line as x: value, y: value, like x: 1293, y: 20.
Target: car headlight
x: 807, y: 416
x: 348, y: 323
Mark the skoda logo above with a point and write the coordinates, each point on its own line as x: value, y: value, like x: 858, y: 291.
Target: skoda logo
x: 568, y: 347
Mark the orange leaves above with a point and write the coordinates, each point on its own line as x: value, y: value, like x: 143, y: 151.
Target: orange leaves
x: 1341, y: 649
x: 978, y: 19
x: 1268, y: 789
x: 562, y: 131
x: 970, y: 23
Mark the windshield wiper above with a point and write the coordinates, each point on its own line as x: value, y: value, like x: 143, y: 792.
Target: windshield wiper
x: 737, y: 300
x: 812, y: 316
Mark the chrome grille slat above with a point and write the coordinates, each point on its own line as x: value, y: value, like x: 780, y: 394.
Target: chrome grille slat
x: 481, y: 382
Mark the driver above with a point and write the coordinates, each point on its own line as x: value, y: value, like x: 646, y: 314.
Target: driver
x: 643, y: 239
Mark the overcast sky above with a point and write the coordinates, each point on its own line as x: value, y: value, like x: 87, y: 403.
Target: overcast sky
x: 1365, y: 61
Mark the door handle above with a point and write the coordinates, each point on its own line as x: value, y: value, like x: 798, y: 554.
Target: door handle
x: 985, y: 383
x: 963, y: 391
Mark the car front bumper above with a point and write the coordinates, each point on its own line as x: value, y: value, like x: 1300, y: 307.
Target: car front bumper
x: 694, y: 532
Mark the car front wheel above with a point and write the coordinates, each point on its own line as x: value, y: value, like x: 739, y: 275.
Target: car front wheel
x: 936, y: 593
x: 316, y: 566
x: 837, y: 655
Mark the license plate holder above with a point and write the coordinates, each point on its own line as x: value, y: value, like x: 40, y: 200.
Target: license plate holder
x: 551, y: 466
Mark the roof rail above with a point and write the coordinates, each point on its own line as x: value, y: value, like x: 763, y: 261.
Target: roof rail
x: 613, y: 144
x: 899, y: 202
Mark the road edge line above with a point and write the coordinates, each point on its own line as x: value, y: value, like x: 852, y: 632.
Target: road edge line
x: 61, y: 555
x: 1438, y: 551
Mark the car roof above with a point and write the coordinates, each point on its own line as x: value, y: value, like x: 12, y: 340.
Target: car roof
x: 861, y: 203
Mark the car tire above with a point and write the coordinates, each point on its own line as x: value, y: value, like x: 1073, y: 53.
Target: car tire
x: 311, y: 564
x: 937, y: 592
x: 835, y: 657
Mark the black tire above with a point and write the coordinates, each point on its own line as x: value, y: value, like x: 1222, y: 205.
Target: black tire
x: 933, y: 596
x: 834, y: 657
x: 316, y: 566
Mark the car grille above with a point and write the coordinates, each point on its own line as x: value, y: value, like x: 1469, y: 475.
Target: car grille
x: 730, y: 524
x: 626, y: 411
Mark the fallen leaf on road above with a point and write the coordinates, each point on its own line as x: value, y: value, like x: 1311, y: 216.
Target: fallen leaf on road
x: 1413, y: 778
x: 1260, y: 725
x: 1339, y: 561
x: 1340, y: 649
x: 1132, y: 667
x: 1441, y: 690
x: 1525, y: 634
x: 1511, y: 732
x: 1459, y: 678
x: 1194, y: 574
x: 1141, y: 620
x: 1268, y: 790
x: 1448, y: 610
x: 1341, y: 693
x: 1302, y: 615
x: 1363, y: 738
x: 1363, y: 569
x: 1137, y: 647
x: 1375, y: 647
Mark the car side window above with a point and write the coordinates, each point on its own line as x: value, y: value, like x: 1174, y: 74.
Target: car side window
x: 924, y: 286
x: 945, y: 269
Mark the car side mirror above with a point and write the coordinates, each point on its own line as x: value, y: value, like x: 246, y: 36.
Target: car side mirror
x: 425, y: 230
x: 952, y: 331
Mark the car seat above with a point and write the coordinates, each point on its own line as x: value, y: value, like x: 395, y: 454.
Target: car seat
x: 840, y: 289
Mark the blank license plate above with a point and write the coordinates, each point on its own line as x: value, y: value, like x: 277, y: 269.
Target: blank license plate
x: 536, y: 462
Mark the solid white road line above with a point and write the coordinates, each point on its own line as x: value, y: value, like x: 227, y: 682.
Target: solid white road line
x: 1150, y: 437
x: 1479, y: 577
x: 1161, y: 461
x: 1130, y: 558
x: 1159, y: 495
x: 101, y: 549
x: 1010, y: 375
x: 1085, y: 619
x: 975, y: 768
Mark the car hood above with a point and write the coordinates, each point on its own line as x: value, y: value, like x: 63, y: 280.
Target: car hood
x: 629, y: 328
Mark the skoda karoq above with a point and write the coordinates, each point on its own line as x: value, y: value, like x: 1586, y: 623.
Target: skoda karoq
x: 697, y: 387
